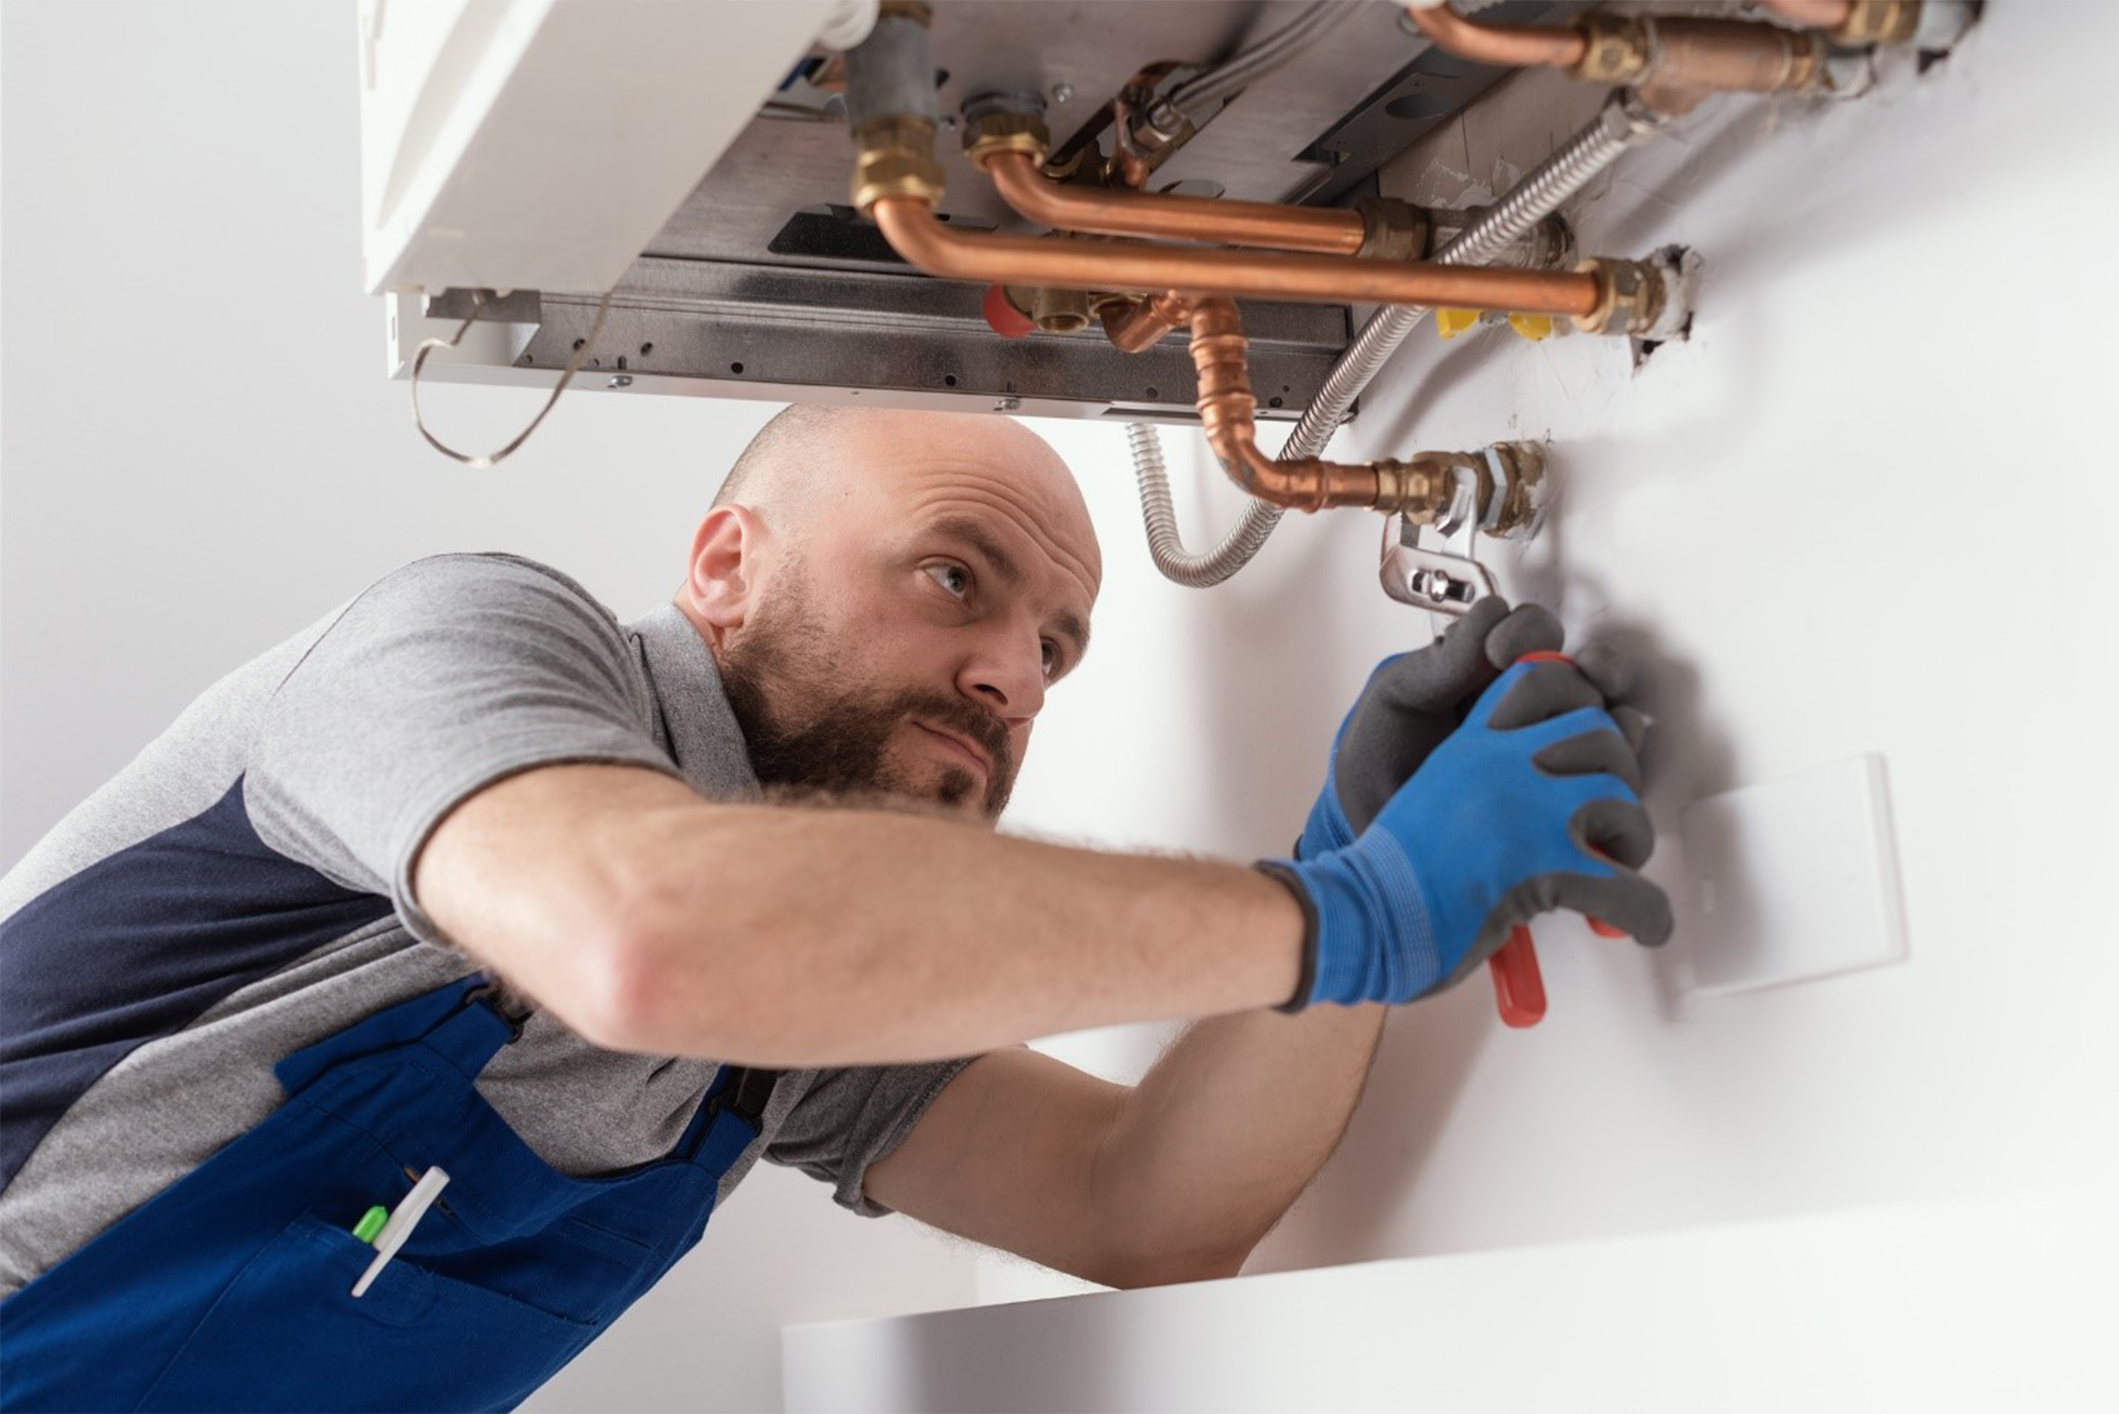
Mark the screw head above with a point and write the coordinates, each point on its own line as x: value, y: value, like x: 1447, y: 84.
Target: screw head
x: 1007, y: 404
x: 1062, y: 92
x: 623, y: 380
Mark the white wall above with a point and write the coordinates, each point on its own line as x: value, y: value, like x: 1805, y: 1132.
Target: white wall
x: 1892, y: 1309
x: 1863, y: 510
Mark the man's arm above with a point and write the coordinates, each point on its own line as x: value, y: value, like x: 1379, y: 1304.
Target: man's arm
x: 1173, y: 1180
x: 648, y: 918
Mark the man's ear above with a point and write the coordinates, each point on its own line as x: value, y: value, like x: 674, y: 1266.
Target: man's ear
x: 727, y: 554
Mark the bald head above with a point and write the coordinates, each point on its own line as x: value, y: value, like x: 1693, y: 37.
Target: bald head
x: 788, y: 453
x: 811, y: 460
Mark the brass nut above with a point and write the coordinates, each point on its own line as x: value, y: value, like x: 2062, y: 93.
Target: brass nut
x: 1621, y: 49
x: 1059, y: 311
x: 1413, y: 490
x: 896, y: 158
x: 1392, y: 229
x: 1629, y: 297
x: 1878, y: 22
x: 992, y: 133
x: 1524, y: 501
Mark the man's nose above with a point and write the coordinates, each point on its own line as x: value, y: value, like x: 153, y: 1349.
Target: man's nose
x: 1007, y: 680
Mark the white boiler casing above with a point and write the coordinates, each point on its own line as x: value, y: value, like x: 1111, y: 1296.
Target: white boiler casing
x: 540, y: 144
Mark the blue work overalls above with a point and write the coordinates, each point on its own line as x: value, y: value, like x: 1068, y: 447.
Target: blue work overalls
x: 232, y: 1289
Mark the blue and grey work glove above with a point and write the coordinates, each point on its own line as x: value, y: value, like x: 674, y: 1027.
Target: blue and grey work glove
x: 1410, y: 704
x: 1530, y: 805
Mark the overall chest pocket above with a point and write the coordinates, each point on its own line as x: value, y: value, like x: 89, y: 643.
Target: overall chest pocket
x: 287, y: 1333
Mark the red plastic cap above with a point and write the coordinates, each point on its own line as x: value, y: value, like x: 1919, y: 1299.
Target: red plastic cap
x: 1006, y: 320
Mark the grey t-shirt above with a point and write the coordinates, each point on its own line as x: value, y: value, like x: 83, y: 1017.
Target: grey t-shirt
x: 242, y: 889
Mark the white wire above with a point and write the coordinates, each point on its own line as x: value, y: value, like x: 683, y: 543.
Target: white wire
x: 427, y: 346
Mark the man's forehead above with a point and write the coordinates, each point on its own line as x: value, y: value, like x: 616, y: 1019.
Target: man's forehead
x: 927, y: 469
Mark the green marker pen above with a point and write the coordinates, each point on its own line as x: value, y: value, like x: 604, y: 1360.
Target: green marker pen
x: 371, y: 1223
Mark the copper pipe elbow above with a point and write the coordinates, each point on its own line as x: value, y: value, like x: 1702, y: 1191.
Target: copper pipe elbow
x: 1511, y: 46
x: 909, y: 224
x: 1422, y: 488
x: 1228, y: 413
x: 1132, y: 328
x: 1108, y: 212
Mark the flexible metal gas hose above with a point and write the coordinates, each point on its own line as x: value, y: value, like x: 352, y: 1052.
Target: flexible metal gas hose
x: 1166, y: 545
x: 1619, y: 124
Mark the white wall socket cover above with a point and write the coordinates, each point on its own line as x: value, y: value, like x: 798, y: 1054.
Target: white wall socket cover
x: 1792, y: 879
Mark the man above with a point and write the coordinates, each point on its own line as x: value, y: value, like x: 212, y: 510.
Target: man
x: 468, y: 891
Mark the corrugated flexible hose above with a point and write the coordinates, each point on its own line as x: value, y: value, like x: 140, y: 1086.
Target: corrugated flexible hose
x: 1619, y: 124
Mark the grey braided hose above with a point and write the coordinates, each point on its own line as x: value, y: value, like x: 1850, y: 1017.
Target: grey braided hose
x: 1261, y: 58
x: 1618, y: 125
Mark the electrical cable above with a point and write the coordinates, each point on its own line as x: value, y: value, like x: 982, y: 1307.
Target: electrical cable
x: 427, y: 346
x: 1246, y: 68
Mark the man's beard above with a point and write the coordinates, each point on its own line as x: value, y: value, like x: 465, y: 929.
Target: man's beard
x: 805, y: 727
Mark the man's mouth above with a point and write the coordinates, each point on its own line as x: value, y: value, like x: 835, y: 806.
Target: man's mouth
x: 970, y: 750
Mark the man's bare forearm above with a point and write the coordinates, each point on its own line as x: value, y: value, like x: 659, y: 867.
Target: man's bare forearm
x: 855, y: 937
x: 1227, y: 1128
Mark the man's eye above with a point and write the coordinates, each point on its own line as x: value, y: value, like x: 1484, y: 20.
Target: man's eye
x: 1052, y: 658
x: 954, y: 579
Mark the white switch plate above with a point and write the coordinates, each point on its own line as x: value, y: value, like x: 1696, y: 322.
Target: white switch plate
x: 1793, y: 879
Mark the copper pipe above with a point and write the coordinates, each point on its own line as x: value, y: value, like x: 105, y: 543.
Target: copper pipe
x: 908, y: 223
x: 1132, y: 328
x: 1695, y: 57
x: 1812, y: 14
x: 1672, y: 63
x: 1107, y: 212
x: 1513, y: 46
x: 1421, y: 488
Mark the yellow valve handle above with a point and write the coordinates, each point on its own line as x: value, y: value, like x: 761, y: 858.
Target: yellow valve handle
x: 1449, y: 323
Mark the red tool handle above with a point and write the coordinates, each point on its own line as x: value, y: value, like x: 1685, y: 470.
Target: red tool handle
x: 1519, y: 987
